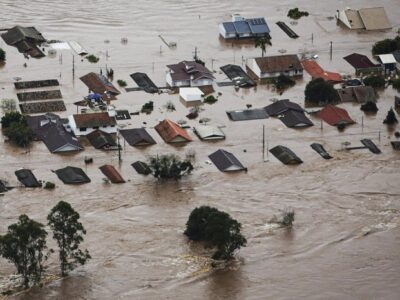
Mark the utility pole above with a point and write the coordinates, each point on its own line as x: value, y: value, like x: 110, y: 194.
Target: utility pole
x: 312, y: 38
x: 263, y: 144
x: 331, y: 51
x: 119, y: 149
x: 195, y: 57
x: 212, y: 64
x: 73, y: 66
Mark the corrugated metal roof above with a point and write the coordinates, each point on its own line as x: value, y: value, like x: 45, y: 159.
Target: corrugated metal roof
x: 208, y: 132
x: 374, y: 18
x: 258, y: 25
x: 354, y: 19
x: 387, y: 58
x: 315, y: 70
x: 229, y: 27
x: 278, y: 63
x: 242, y: 27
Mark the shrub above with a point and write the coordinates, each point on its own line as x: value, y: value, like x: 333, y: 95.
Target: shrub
x: 20, y: 134
x: 169, y: 167
x: 390, y: 118
x: 2, y: 55
x: 217, y: 229
x: 8, y: 105
x: 341, y: 125
x: 386, y: 46
x: 296, y: 14
x: 287, y: 218
x: 283, y: 82
x: 92, y: 58
x: 374, y: 81
x: 12, y: 117
x: 122, y: 83
x: 170, y: 106
x: 319, y: 91
x: 210, y: 99
x: 147, y: 107
x: 49, y: 185
x: 369, y: 106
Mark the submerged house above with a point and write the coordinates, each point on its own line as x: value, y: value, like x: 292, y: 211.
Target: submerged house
x: 27, y: 178
x: 83, y: 124
x: 389, y: 62
x: 373, y: 18
x: 172, y: 132
x: 102, y: 140
x: 189, y: 73
x: 226, y: 161
x: 316, y: 71
x: 274, y: 66
x: 362, y: 64
x: 141, y: 167
x: 99, y: 84
x: 25, y: 39
x: 242, y: 28
x: 281, y: 106
x: 57, y: 137
x: 112, y: 174
x: 137, y: 137
x: 295, y: 119
x: 208, y: 132
x: 334, y: 115
x: 191, y: 96
x: 72, y: 175
x: 285, y: 155
x: 359, y: 94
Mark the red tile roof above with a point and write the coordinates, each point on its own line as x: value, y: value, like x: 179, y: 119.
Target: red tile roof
x: 169, y: 131
x: 111, y: 174
x: 315, y: 70
x: 94, y: 120
x: 334, y: 115
x: 278, y: 63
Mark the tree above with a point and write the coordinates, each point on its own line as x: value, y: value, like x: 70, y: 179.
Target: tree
x: 12, y: 117
x: 374, y: 81
x: 390, y: 118
x: 8, y: 105
x: 68, y: 232
x: 283, y: 82
x: 169, y: 167
x: 369, y: 106
x: 2, y: 55
x: 20, y: 134
x: 321, y: 92
x: 217, y: 229
x: 386, y: 46
x: 23, y: 245
x: 261, y: 43
x: 396, y: 84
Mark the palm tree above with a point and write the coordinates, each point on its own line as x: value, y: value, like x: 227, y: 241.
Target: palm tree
x: 261, y: 43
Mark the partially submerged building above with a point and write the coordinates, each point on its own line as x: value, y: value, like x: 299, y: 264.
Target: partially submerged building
x: 334, y: 115
x: 172, y: 132
x: 362, y: 64
x: 141, y: 167
x: 102, y: 140
x: 27, y: 178
x: 72, y: 175
x: 281, y: 106
x: 191, y: 96
x: 247, y: 114
x: 238, y: 76
x: 226, y: 161
x: 359, y: 94
x: 285, y: 155
x: 144, y: 82
x: 56, y: 135
x: 112, y: 174
x: 373, y: 18
x: 389, y: 62
x: 242, y: 28
x: 295, y: 119
x: 189, y: 73
x: 273, y: 66
x: 316, y: 71
x: 25, y: 39
x: 99, y: 84
x: 83, y: 124
x: 209, y: 132
x: 137, y: 137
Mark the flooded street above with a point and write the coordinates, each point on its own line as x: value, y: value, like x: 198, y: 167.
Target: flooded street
x: 345, y: 243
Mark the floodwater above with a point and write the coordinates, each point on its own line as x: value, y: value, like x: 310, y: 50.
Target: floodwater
x: 345, y: 240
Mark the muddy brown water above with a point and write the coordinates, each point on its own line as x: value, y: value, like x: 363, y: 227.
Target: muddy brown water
x: 345, y: 241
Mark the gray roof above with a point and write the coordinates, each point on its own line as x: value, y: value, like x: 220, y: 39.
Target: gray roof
x: 208, y: 132
x: 226, y: 161
x: 320, y: 150
x: 293, y: 118
x: 258, y: 25
x: 247, y: 114
x: 137, y: 137
x: 50, y: 129
x: 141, y: 167
x: 19, y: 33
x: 285, y: 155
x: 242, y: 27
x: 229, y: 27
x: 101, y: 140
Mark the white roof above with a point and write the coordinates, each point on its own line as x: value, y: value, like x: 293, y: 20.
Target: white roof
x: 387, y: 58
x: 191, y: 93
x: 208, y: 132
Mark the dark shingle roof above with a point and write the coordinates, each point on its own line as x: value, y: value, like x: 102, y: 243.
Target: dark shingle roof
x: 293, y: 118
x: 100, y: 139
x: 226, y: 161
x: 278, y: 63
x: 359, y: 61
x: 141, y: 167
x: 285, y: 155
x: 26, y: 177
x: 281, y: 106
x: 137, y: 137
x: 72, y: 175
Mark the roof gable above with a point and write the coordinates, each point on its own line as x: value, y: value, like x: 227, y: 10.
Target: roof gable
x: 92, y: 120
x: 278, y: 63
x: 172, y: 132
x: 226, y: 161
